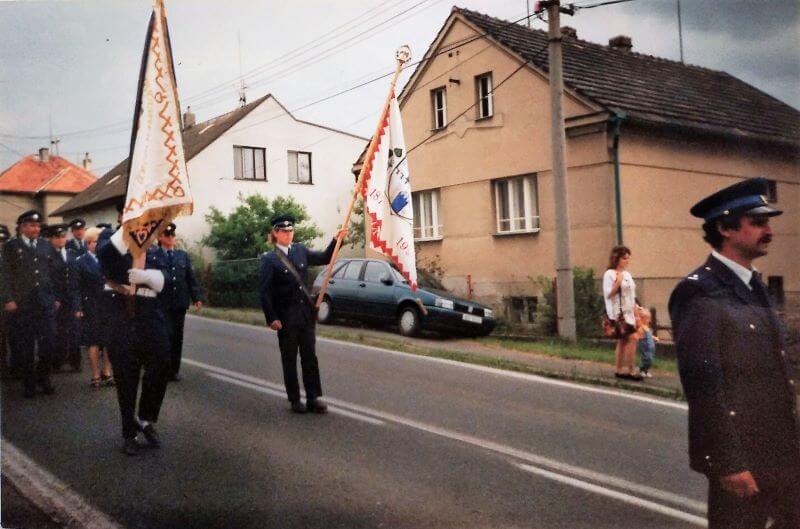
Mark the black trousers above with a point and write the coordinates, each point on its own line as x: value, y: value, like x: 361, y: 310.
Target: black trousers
x: 136, y: 344
x: 65, y: 339
x: 778, y: 502
x: 303, y: 340
x: 32, y: 330
x: 175, y: 320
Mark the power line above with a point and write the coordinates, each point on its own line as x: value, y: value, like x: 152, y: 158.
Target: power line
x: 608, y: 3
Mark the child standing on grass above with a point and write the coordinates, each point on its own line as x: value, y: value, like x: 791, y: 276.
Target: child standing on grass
x: 646, y: 347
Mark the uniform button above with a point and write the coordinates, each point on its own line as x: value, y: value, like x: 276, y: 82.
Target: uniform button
x: 752, y: 326
x: 791, y: 382
x: 732, y: 413
x: 783, y: 353
x: 35, y: 271
x: 708, y: 457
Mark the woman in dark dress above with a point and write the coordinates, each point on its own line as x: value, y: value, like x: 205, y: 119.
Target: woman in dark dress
x: 87, y: 291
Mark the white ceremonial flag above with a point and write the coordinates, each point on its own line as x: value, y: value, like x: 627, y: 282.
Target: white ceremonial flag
x: 387, y: 194
x: 158, y: 184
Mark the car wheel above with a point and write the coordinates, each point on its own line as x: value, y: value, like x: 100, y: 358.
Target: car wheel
x: 408, y: 321
x: 325, y: 313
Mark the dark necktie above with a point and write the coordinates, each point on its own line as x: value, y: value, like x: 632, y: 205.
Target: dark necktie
x: 169, y: 256
x: 759, y: 290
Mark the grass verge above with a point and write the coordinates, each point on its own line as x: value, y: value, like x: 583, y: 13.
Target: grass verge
x: 580, y: 351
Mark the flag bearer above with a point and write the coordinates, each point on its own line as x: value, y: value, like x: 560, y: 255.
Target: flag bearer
x: 289, y: 309
x: 137, y: 338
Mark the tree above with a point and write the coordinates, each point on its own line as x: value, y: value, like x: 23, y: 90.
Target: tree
x: 355, y: 233
x: 242, y: 234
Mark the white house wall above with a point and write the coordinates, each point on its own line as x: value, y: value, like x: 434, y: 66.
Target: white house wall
x: 211, y: 172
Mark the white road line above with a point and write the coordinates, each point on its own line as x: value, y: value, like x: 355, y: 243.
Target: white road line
x: 522, y: 455
x: 499, y: 372
x: 54, y: 497
x: 282, y: 394
x: 627, y: 498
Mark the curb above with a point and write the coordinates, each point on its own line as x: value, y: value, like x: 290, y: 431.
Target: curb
x: 49, y: 494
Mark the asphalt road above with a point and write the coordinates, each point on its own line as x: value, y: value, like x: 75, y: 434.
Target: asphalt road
x: 410, y: 442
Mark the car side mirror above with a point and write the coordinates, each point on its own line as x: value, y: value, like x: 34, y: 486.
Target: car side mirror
x: 386, y: 279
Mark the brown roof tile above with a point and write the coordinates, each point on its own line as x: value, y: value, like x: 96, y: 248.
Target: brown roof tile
x: 57, y: 175
x: 654, y: 89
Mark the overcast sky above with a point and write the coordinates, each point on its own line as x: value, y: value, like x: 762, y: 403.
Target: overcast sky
x: 77, y: 62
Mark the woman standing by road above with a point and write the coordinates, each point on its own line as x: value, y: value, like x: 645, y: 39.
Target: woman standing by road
x: 619, y: 292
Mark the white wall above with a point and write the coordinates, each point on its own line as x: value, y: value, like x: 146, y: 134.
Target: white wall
x: 269, y: 126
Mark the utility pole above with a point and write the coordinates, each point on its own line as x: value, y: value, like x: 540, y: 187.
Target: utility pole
x: 680, y: 30
x: 242, y: 87
x: 565, y: 293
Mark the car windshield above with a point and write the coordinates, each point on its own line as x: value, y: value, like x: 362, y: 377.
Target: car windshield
x: 424, y: 279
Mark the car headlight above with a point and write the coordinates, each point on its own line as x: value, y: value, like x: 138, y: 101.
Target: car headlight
x: 487, y: 313
x: 444, y: 303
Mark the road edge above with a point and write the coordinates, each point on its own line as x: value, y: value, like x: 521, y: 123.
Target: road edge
x: 49, y: 494
x: 484, y: 361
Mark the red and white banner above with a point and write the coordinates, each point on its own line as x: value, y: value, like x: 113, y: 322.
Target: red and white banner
x: 387, y: 195
x: 158, y: 184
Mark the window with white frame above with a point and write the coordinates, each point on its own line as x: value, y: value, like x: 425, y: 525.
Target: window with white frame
x: 299, y: 167
x: 426, y: 215
x: 516, y: 204
x: 249, y: 163
x: 483, y: 92
x: 439, y: 103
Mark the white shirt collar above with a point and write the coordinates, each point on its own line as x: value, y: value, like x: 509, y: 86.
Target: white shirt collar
x: 284, y: 249
x: 26, y: 240
x: 745, y: 274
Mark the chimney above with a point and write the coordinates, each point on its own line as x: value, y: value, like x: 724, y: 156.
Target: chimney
x: 189, y: 118
x: 568, y: 31
x: 44, y: 155
x: 87, y: 162
x: 620, y: 42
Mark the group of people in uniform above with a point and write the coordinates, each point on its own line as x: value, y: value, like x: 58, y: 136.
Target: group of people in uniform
x: 58, y: 295
x: 744, y: 433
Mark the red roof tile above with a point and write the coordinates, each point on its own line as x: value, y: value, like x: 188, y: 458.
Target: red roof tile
x: 57, y: 175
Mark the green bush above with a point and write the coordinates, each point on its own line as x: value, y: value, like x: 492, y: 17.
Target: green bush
x: 588, y: 304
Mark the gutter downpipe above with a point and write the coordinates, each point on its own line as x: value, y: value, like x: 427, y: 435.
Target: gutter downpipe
x: 616, y: 121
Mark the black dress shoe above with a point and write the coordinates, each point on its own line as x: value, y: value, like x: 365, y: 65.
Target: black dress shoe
x: 298, y: 407
x: 316, y: 406
x: 151, y: 435
x: 175, y: 377
x: 130, y: 447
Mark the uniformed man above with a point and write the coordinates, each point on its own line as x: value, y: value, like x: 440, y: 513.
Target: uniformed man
x: 743, y: 427
x: 289, y: 309
x: 181, y: 288
x: 76, y: 243
x: 137, y: 337
x: 61, y: 267
x: 27, y: 296
x: 5, y: 363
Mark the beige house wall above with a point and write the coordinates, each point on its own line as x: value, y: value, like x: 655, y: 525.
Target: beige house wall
x: 662, y: 175
x: 13, y: 205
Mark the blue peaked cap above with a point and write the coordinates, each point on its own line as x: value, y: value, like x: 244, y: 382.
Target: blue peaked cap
x: 745, y: 197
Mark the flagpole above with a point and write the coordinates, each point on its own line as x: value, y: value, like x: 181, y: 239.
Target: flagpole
x: 402, y: 56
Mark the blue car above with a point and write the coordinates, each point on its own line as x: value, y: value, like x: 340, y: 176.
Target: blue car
x: 374, y: 291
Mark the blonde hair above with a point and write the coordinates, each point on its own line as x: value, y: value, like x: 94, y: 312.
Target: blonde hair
x: 92, y: 234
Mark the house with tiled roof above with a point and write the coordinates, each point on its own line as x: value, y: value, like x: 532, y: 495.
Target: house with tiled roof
x: 646, y: 138
x: 41, y: 181
x: 259, y: 148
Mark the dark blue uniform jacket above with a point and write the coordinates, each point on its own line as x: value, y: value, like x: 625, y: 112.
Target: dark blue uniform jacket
x: 181, y: 286
x: 60, y: 274
x: 86, y: 287
x: 26, y: 275
x: 736, y: 375
x: 281, y: 296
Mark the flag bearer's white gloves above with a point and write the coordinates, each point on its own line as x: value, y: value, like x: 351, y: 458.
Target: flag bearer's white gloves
x: 150, y: 278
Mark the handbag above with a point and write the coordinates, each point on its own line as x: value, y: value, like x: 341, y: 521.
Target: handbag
x: 618, y: 328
